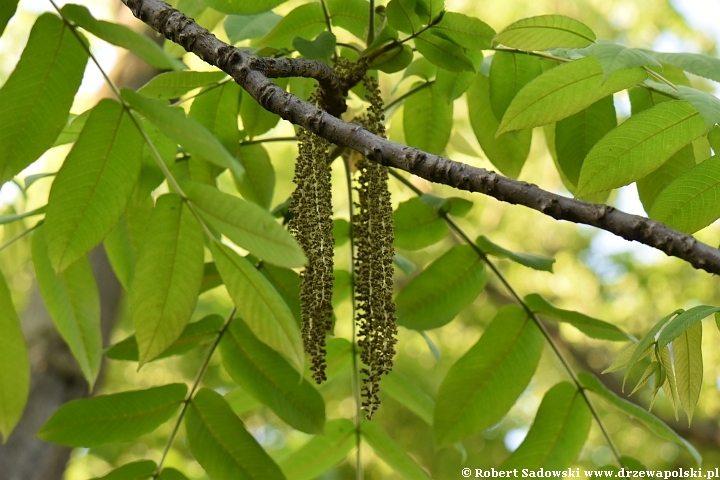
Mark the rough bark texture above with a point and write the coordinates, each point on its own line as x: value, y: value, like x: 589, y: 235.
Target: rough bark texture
x: 248, y: 71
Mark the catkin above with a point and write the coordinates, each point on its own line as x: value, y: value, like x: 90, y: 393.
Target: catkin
x: 312, y: 225
x: 373, y: 234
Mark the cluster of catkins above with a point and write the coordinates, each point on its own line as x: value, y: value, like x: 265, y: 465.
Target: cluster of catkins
x: 372, y: 230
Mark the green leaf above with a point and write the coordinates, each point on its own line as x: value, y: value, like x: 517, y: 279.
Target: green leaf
x: 246, y: 224
x: 183, y: 130
x: 140, y: 470
x: 7, y: 10
x: 393, y: 454
x: 443, y: 53
x: 321, y: 452
x: 217, y: 110
x: 456, y: 206
x: 451, y: 85
x: 639, y: 146
x: 193, y: 335
x: 563, y: 91
x: 172, y: 474
x: 670, y: 384
x: 394, y: 60
x: 624, y: 358
x: 36, y: 98
x: 352, y: 15
x: 536, y: 262
x: 69, y: 134
x: 558, y: 433
x: 260, y: 305
x: 484, y: 383
x: 266, y: 375
x: 425, y: 304
x: 243, y: 7
x: 241, y: 402
x: 120, y: 417
x: 404, y: 264
x: 613, y: 57
x: 14, y: 364
x: 687, y: 350
x: 341, y: 231
x: 401, y: 16
x: 421, y: 68
x: 287, y: 284
x: 243, y: 27
x: 508, y: 151
x: 410, y: 395
x: 73, y: 301
x: 683, y: 322
x: 689, y: 203
x: 221, y: 445
x: 92, y: 188
x: 652, y: 185
x: 430, y: 9
x: 176, y: 84
x: 417, y: 225
x: 322, y: 48
x: 168, y: 275
x: 14, y: 217
x: 695, y: 63
x: 468, y: 32
x: 427, y: 121
x: 707, y: 104
x: 645, y: 342
x: 509, y: 73
x: 123, y: 37
x: 342, y: 286
x: 255, y: 119
x: 591, y: 327
x: 545, y: 32
x: 305, y: 21
x: 654, y: 424
x: 577, y: 134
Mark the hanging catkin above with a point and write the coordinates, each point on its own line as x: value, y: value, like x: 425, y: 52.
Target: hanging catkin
x: 312, y: 227
x: 373, y: 234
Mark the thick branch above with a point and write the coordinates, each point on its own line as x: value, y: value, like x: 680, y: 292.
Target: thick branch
x: 240, y: 65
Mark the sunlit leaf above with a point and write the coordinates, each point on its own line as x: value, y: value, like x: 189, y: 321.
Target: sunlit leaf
x: 563, y: 91
x: 168, y: 275
x: 646, y: 341
x: 393, y: 454
x: 243, y: 27
x: 246, y: 224
x: 410, y: 395
x: 120, y: 417
x: 73, y: 301
x: 93, y: 186
x: 507, y: 152
x: 187, y: 132
x: 545, y: 32
x: 427, y: 121
x: 417, y: 225
x: 36, y: 98
x: 14, y: 364
x: 706, y: 103
x: 624, y: 358
x: 176, y: 84
x: 443, y: 53
x: 654, y: 424
x: 653, y: 184
x: 536, y: 262
x: 267, y: 376
x: 220, y: 443
x: 509, y: 73
x: 352, y: 15
x: 424, y: 304
x: 217, y: 110
x: 468, y: 32
x: 122, y: 36
x: 683, y: 322
x: 591, y: 327
x: 171, y: 474
x: 243, y: 7
x: 695, y: 63
x: 639, y: 146
x: 614, y: 57
x: 481, y: 387
x: 256, y: 120
x: 558, y: 433
x: 687, y: 350
x: 260, y: 305
x: 401, y: 16
x: 258, y: 184
x: 305, y: 21
x: 287, y: 284
x: 321, y: 452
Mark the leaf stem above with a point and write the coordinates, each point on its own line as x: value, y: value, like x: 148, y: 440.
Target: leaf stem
x: 356, y: 375
x: 20, y: 235
x: 193, y: 389
x: 371, y: 23
x: 566, y: 365
x: 326, y: 13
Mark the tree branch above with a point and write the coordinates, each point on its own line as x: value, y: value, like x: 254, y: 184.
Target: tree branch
x: 244, y: 68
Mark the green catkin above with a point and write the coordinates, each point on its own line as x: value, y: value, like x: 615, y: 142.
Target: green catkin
x: 312, y: 225
x: 373, y: 234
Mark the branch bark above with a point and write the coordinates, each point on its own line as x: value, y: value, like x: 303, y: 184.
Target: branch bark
x: 246, y: 69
